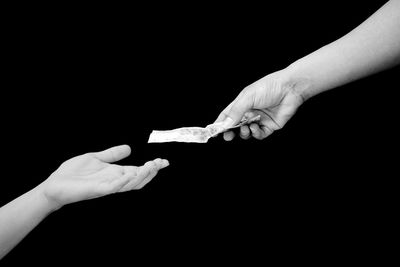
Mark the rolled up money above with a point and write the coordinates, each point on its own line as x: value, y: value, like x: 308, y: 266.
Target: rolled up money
x: 195, y: 134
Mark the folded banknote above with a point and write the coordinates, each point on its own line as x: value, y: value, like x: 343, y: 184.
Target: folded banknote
x: 195, y: 134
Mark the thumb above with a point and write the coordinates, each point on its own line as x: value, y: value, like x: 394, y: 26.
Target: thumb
x: 113, y: 154
x: 239, y: 107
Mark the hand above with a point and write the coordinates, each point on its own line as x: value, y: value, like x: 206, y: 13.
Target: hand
x: 91, y: 175
x: 271, y: 97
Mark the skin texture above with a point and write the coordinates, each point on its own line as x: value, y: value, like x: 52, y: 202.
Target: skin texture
x: 83, y: 177
x: 371, y: 47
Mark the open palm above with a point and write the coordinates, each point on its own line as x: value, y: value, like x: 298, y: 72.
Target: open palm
x: 92, y: 175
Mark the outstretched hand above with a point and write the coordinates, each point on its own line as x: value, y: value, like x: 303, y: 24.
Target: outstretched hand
x: 271, y: 97
x: 93, y: 175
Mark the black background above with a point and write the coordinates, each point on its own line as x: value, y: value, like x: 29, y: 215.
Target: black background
x: 91, y: 78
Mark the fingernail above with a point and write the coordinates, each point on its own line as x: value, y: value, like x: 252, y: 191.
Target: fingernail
x: 228, y: 122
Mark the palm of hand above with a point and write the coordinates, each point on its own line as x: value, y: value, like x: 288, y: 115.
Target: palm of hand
x: 82, y: 166
x: 82, y: 177
x: 91, y: 175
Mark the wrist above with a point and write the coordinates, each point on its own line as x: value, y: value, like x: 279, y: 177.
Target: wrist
x: 298, y: 82
x: 47, y: 203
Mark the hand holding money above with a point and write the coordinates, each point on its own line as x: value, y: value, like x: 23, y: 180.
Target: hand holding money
x: 273, y: 97
x: 195, y: 134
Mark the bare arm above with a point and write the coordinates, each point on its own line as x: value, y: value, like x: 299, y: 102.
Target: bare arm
x: 371, y: 47
x: 84, y: 177
x: 20, y: 216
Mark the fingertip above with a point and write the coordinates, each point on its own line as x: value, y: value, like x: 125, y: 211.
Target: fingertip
x: 120, y: 152
x: 159, y: 164
x: 255, y: 130
x: 113, y: 154
x: 165, y: 163
x: 244, y: 132
x: 228, y: 136
x: 254, y: 127
x: 126, y: 149
x: 266, y: 131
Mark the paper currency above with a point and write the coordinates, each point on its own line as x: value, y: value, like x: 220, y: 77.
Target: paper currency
x: 195, y: 134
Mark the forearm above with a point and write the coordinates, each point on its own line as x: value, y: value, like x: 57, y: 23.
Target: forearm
x: 371, y: 47
x: 20, y: 216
